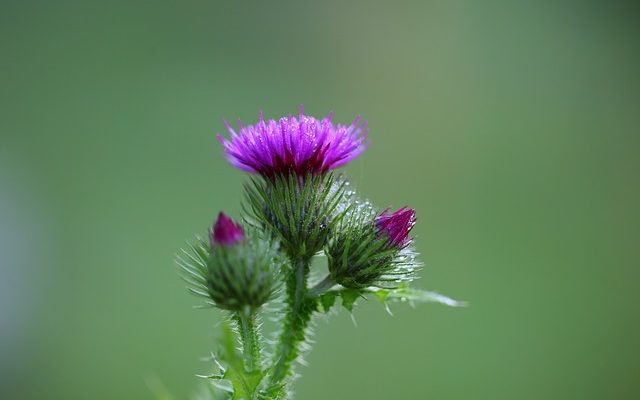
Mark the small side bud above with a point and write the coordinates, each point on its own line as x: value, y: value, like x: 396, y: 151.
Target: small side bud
x: 237, y: 271
x: 372, y: 250
x: 225, y: 232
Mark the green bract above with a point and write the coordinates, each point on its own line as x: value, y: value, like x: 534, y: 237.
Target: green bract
x: 300, y: 212
x: 232, y: 277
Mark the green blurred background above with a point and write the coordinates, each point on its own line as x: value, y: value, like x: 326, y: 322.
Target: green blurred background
x: 512, y: 127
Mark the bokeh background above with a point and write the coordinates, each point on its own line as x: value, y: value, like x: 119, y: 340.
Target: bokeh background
x: 512, y: 127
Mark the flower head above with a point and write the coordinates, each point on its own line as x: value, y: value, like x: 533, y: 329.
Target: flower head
x: 396, y: 226
x: 235, y: 270
x: 225, y: 232
x: 301, y: 146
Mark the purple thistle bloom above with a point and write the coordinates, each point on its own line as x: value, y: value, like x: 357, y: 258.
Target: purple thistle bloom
x: 396, y: 226
x: 301, y: 146
x: 225, y: 232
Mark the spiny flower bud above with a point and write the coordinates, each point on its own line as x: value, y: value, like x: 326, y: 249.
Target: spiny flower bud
x: 299, y: 146
x: 234, y: 271
x: 372, y: 250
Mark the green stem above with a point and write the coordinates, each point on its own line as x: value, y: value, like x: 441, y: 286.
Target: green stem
x: 250, y: 341
x: 296, y: 320
x: 321, y: 287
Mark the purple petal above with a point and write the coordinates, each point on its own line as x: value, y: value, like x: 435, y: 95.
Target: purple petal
x: 302, y: 145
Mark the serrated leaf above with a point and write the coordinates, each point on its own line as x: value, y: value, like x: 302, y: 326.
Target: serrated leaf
x: 274, y: 392
x: 382, y: 296
x: 419, y: 296
x: 349, y: 297
x: 327, y: 301
x: 243, y: 382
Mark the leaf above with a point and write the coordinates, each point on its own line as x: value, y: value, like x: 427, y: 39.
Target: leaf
x: 327, y: 301
x: 244, y: 383
x: 349, y: 297
x: 406, y: 294
x: 382, y: 296
x: 274, y: 392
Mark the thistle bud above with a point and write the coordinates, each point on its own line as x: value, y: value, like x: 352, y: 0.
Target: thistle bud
x: 225, y: 232
x: 396, y: 227
x: 372, y: 250
x: 234, y: 271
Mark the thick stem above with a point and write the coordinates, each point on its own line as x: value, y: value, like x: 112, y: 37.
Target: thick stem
x: 321, y: 287
x: 296, y: 321
x: 251, y: 351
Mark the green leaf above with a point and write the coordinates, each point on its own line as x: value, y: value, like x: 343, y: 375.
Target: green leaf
x: 349, y: 297
x: 244, y: 383
x: 413, y: 295
x: 382, y: 296
x: 327, y: 301
x: 273, y: 392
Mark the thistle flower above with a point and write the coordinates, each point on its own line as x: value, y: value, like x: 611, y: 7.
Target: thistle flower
x: 295, y: 206
x: 299, y: 146
x: 225, y: 232
x: 396, y: 227
x: 372, y: 250
x: 234, y: 271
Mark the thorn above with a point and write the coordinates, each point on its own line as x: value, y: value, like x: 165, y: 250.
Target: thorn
x: 353, y: 319
x: 386, y: 307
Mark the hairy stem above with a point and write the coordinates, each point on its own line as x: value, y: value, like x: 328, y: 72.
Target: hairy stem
x: 251, y: 351
x: 298, y: 314
x: 321, y: 287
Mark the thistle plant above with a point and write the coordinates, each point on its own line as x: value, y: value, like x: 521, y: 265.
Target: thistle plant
x: 295, y: 207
